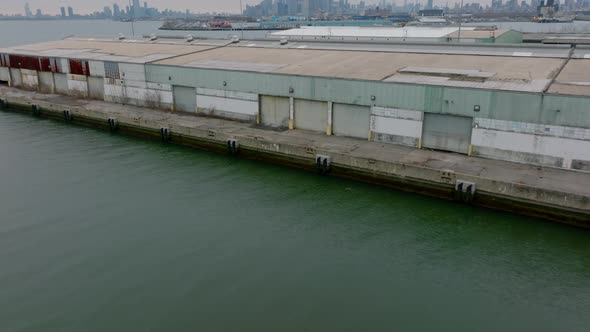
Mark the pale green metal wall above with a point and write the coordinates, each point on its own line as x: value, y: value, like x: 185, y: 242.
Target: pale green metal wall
x: 510, y: 37
x: 494, y: 104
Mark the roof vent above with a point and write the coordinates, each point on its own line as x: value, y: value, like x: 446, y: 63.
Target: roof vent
x: 284, y: 41
x: 121, y: 36
x: 153, y: 37
x: 189, y: 38
x: 235, y: 39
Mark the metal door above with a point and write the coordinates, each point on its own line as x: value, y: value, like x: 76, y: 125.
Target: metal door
x: 351, y: 120
x: 185, y: 98
x: 61, y: 83
x: 4, y: 74
x: 17, y: 79
x: 45, y: 82
x: 274, y: 111
x: 311, y: 115
x: 447, y: 132
x: 96, y: 87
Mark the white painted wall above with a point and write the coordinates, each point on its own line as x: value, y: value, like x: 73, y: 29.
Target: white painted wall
x: 116, y: 91
x: 30, y: 79
x: 244, y: 105
x: 566, y: 148
x: 228, y: 94
x: 78, y: 85
x: 396, y: 122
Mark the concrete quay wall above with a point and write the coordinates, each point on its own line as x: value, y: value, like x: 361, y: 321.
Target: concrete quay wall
x: 384, y: 164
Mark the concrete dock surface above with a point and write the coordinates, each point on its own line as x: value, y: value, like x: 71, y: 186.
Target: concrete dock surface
x: 555, y: 194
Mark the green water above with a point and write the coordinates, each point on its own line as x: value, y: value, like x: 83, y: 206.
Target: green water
x: 101, y: 232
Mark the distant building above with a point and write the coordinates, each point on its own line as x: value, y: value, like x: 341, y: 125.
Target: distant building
x: 107, y: 12
x: 62, y: 11
x: 38, y: 14
x: 136, y: 9
x: 28, y: 12
x: 70, y: 11
x: 116, y: 10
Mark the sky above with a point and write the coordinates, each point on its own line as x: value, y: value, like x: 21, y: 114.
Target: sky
x: 87, y: 6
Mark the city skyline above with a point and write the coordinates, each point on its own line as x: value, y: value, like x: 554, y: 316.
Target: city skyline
x: 52, y: 7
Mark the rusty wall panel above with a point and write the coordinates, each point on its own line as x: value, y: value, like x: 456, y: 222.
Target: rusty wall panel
x: 79, y: 68
x: 45, y: 64
x: 24, y: 62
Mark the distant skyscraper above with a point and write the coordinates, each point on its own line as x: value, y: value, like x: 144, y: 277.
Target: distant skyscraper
x: 136, y: 8
x: 39, y: 13
x: 28, y: 12
x: 430, y: 4
x: 107, y: 12
x: 116, y: 10
x: 305, y: 8
x: 70, y: 11
x: 63, y: 11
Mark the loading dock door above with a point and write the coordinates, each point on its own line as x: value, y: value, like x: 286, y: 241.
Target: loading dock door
x: 45, y: 82
x: 274, y: 111
x: 311, y: 115
x: 351, y: 120
x: 96, y: 87
x: 447, y: 132
x: 185, y: 98
x: 61, y: 83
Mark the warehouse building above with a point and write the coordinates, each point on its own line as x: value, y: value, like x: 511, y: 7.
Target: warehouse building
x: 406, y: 34
x: 528, y: 104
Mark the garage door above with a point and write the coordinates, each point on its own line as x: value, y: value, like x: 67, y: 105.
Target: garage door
x: 4, y: 75
x: 351, y: 120
x: 45, y: 82
x: 311, y: 115
x: 447, y: 132
x: 96, y: 87
x: 185, y: 98
x: 61, y: 83
x: 17, y: 79
x: 274, y: 111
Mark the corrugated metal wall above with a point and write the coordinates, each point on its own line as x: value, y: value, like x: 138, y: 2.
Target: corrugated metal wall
x: 185, y: 98
x: 311, y: 115
x: 493, y: 104
x: 96, y: 87
x: 447, y: 132
x: 274, y: 111
x: 351, y: 120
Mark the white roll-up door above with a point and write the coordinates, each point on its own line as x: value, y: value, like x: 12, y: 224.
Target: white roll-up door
x: 447, y: 132
x: 96, y: 87
x: 61, y: 83
x: 274, y: 111
x: 185, y: 98
x: 351, y: 120
x: 311, y: 115
x: 46, y: 82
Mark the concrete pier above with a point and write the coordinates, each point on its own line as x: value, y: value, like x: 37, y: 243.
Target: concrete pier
x: 555, y: 194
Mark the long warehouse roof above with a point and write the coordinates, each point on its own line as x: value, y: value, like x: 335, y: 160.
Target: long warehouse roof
x: 526, y: 69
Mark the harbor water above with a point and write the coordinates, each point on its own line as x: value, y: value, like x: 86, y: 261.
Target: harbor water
x: 102, y: 232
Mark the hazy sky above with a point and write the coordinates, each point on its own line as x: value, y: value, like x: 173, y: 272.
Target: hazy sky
x: 85, y: 6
